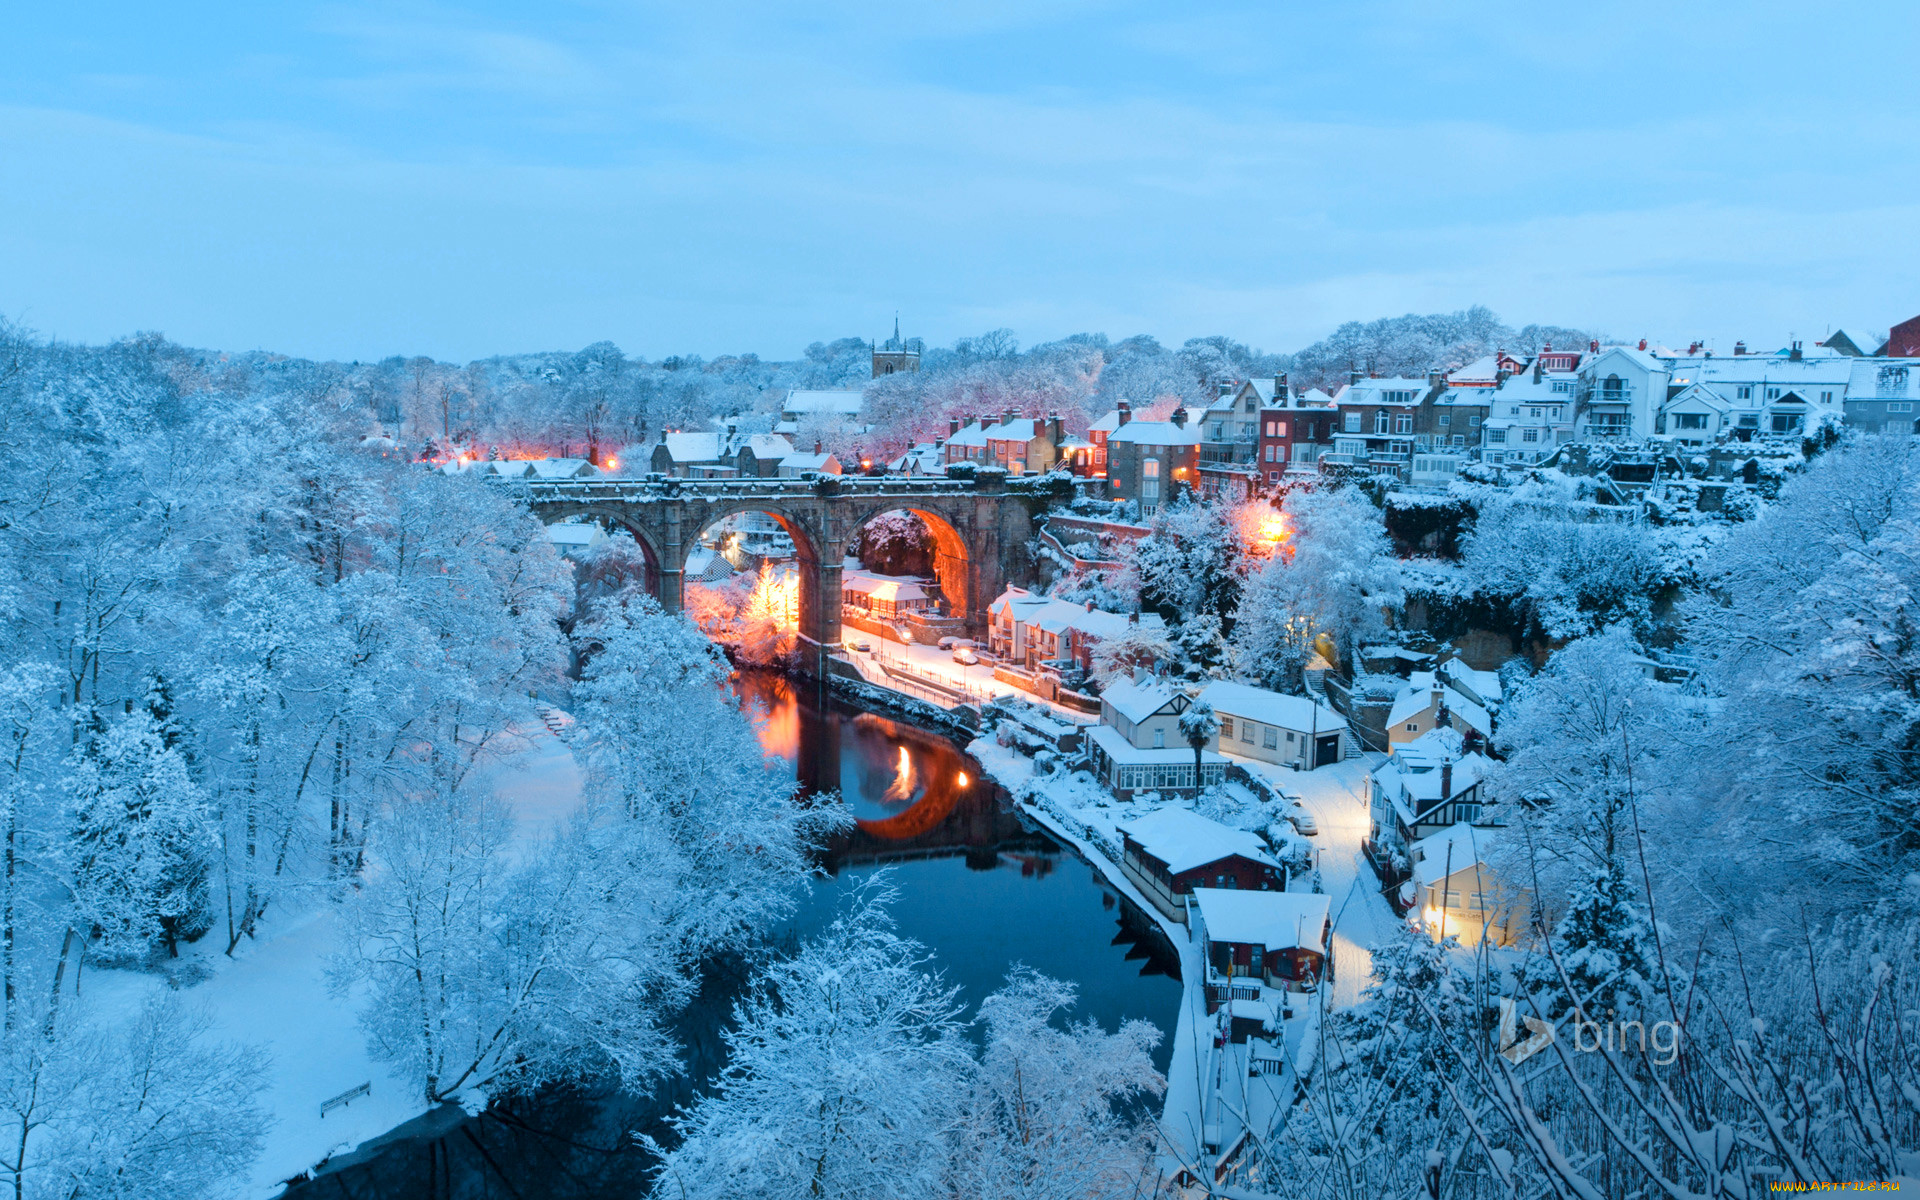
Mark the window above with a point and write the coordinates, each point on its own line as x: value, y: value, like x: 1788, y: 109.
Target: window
x: 1380, y: 421
x: 1273, y: 477
x: 1159, y: 739
x: 1689, y: 420
x: 1556, y: 412
x: 1246, y: 732
x: 1563, y: 385
x: 1459, y: 439
x: 1786, y: 422
x: 1613, y: 390
x: 1226, y: 728
x: 1533, y: 412
x: 1413, y: 727
x: 1397, y: 397
x: 1474, y: 421
x: 1743, y: 392
x: 1446, y: 418
x: 1281, y: 427
x: 1513, y: 410
x: 1353, y: 422
x: 1826, y: 397
x: 1289, y: 738
x: 1900, y: 406
x: 1496, y: 437
x: 1270, y: 737
x: 1529, y: 435
x: 1773, y: 393
x: 1403, y: 423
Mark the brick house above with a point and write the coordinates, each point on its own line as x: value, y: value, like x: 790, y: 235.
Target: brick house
x: 1170, y: 852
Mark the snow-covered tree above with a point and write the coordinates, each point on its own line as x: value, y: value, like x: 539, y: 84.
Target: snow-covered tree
x: 1602, y: 950
x: 139, y: 836
x: 1571, y: 572
x: 1041, y: 1116
x: 847, y: 1071
x: 1198, y: 725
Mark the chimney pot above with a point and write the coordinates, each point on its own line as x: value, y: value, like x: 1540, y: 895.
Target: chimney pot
x: 1593, y: 346
x: 1180, y: 417
x: 1739, y: 347
x: 953, y: 426
x: 1643, y: 343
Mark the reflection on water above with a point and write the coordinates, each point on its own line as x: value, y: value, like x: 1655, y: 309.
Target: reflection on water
x: 980, y: 889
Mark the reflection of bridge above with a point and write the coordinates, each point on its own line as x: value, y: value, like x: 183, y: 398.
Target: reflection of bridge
x: 980, y: 531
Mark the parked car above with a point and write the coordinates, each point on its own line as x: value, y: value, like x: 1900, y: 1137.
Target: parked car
x: 863, y: 647
x: 1303, y: 820
x: 965, y: 657
x: 946, y: 643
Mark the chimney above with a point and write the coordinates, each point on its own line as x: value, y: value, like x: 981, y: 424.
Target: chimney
x: 1089, y: 606
x: 1433, y: 378
x: 1643, y: 343
x: 1006, y: 416
x: 1055, y: 429
x: 1501, y: 376
x: 1180, y: 417
x: 1280, y: 389
x: 1446, y: 778
x: 1593, y: 346
x: 1794, y: 355
x: 1355, y: 376
x: 1739, y: 348
x: 1539, y: 366
x: 816, y: 446
x: 953, y: 426
x: 1126, y: 412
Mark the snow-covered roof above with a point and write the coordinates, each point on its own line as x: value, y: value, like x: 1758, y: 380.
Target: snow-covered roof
x: 809, y: 462
x: 1865, y: 343
x: 1484, y: 685
x: 923, y: 459
x: 1372, y: 391
x: 1106, y: 424
x: 1030, y: 608
x: 1157, y: 433
x: 1127, y: 754
x: 844, y: 401
x: 694, y: 447
x: 1697, y: 395
x: 1183, y: 839
x: 768, y: 445
x: 560, y: 468
x: 1419, y: 695
x: 1482, y: 371
x: 1275, y: 920
x: 970, y: 435
x: 1884, y: 378
x: 1460, y: 846
x: 1313, y: 398
x: 507, y: 468
x: 575, y: 537
x: 456, y: 466
x: 882, y: 587
x: 1138, y: 701
x: 1271, y: 708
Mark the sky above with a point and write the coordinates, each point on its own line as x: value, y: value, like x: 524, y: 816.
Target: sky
x: 356, y: 180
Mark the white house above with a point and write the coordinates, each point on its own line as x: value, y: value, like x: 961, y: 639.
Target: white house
x: 835, y: 402
x: 819, y: 462
x: 575, y: 541
x: 1620, y: 391
x: 1456, y: 894
x: 1530, y: 415
x: 1138, y: 747
x: 1426, y: 785
x: 1290, y: 730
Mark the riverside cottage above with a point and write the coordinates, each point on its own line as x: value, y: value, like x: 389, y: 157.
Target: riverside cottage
x: 1138, y: 746
x: 1253, y: 941
x: 1169, y: 853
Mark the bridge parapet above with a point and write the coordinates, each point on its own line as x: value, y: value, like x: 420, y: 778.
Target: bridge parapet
x: 630, y: 490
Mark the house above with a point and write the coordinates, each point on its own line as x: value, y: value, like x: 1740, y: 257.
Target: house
x: 1230, y: 425
x: 1029, y: 629
x: 835, y: 402
x: 759, y: 456
x: 1376, y: 427
x: 1426, y: 785
x: 1294, y: 433
x: 796, y: 466
x: 1456, y: 893
x: 1532, y: 411
x: 576, y: 541
x: 1138, y: 746
x: 1170, y: 852
x: 1428, y: 702
x: 884, y: 597
x: 1881, y: 394
x: 1025, y: 445
x: 1271, y: 939
x: 693, y: 456
x: 1903, y: 340
x: 1853, y: 344
x: 1620, y: 390
x: 1148, y: 462
x: 1745, y: 396
x: 1482, y: 687
x: 924, y: 458
x: 1290, y: 730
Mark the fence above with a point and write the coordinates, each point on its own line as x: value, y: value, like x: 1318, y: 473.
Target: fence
x: 345, y: 1098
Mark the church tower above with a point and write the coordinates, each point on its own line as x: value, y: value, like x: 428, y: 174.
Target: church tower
x: 894, y: 355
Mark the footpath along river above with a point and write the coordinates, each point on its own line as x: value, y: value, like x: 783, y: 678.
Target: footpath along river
x: 981, y: 888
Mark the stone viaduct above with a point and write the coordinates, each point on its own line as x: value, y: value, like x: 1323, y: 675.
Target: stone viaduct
x: 980, y: 532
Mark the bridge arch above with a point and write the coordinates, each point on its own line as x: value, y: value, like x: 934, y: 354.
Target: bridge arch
x: 952, y: 559
x: 610, y: 518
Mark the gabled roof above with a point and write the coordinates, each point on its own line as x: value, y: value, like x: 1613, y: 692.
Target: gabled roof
x: 844, y: 401
x: 560, y: 468
x: 970, y: 435
x: 1695, y: 393
x: 768, y: 445
x: 1369, y: 391
x: 1184, y: 839
x: 1138, y: 701
x: 1106, y: 424
x: 1483, y: 685
x: 1313, y: 398
x: 808, y: 462
x: 1275, y: 920
x: 1272, y: 708
x: 1460, y: 846
x: 694, y: 447
x: 1418, y: 696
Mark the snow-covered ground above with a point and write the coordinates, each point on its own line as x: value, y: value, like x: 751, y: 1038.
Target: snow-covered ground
x: 273, y: 994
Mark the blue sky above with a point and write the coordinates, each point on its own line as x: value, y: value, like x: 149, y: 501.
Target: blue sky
x: 356, y: 180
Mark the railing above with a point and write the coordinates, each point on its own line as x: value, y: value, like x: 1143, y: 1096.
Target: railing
x: 701, y: 489
x: 345, y: 1098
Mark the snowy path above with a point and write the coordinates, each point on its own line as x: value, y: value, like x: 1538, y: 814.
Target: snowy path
x: 1337, y: 798
x: 273, y: 995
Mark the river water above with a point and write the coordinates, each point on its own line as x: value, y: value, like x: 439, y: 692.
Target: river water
x: 981, y: 888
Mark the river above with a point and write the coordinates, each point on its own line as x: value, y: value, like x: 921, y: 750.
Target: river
x: 981, y: 888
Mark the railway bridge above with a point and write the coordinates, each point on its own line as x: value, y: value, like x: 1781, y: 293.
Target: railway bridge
x: 980, y: 531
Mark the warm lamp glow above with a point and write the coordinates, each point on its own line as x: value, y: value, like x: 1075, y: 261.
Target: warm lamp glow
x: 613, y: 464
x: 962, y: 779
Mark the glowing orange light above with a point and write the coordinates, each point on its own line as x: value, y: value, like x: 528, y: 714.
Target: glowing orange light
x: 962, y: 779
x: 613, y: 464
